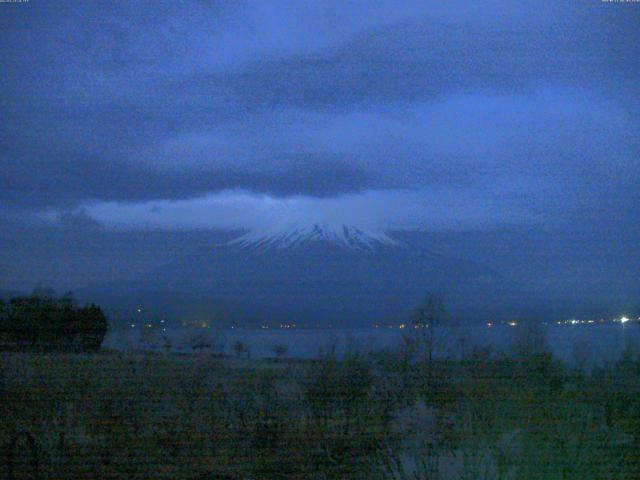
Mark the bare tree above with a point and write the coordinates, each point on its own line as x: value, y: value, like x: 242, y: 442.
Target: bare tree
x: 430, y: 321
x: 530, y: 339
x: 240, y: 348
x: 280, y: 350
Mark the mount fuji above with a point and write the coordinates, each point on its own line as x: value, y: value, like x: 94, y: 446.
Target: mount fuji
x: 324, y: 276
x: 346, y: 236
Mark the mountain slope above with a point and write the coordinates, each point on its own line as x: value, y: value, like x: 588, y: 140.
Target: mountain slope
x: 338, y: 277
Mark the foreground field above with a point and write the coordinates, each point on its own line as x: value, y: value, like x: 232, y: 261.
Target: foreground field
x: 388, y: 415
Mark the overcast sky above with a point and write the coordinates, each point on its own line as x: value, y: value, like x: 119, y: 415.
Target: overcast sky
x: 462, y: 115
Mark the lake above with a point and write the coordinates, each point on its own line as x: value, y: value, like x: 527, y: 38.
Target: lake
x: 594, y: 342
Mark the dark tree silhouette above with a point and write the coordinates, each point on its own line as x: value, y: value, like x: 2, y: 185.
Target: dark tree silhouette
x: 241, y: 348
x: 43, y: 322
x: 280, y: 350
x: 429, y: 320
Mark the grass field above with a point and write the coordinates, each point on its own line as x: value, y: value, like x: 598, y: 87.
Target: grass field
x: 383, y: 415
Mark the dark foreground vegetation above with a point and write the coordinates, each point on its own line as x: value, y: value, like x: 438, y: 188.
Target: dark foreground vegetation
x: 44, y: 322
x: 387, y: 415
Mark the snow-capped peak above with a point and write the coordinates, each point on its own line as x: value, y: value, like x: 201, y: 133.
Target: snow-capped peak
x: 347, y: 236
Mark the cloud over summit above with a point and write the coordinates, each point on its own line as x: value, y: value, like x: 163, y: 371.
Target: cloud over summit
x: 138, y: 103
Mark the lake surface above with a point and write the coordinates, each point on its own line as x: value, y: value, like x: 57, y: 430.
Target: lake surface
x: 592, y: 342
